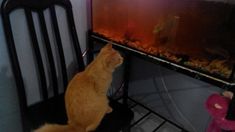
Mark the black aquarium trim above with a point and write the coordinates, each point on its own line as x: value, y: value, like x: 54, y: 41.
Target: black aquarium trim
x: 206, y: 77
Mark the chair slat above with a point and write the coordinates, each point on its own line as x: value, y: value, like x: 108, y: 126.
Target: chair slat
x: 59, y: 45
x: 15, y: 65
x: 49, y: 52
x: 37, y: 53
x: 76, y: 44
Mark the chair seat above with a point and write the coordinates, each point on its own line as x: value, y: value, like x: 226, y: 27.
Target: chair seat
x: 50, y: 111
x: 53, y: 111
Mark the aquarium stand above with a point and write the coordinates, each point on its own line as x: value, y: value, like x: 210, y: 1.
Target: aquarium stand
x: 129, y: 51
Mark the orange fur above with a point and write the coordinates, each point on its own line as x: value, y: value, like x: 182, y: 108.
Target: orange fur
x: 59, y: 128
x: 85, y: 98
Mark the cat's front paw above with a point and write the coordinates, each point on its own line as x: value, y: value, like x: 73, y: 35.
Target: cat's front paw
x: 109, y: 110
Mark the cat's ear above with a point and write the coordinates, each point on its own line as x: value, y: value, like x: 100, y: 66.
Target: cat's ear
x: 109, y: 46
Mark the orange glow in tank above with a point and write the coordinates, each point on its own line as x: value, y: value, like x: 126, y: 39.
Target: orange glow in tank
x: 195, y: 33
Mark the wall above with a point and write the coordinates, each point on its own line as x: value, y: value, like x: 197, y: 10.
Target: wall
x: 9, y: 108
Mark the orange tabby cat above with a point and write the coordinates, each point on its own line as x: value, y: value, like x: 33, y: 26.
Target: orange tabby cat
x: 59, y: 128
x: 85, y: 98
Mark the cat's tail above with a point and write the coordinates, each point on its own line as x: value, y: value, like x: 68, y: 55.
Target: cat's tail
x: 59, y: 128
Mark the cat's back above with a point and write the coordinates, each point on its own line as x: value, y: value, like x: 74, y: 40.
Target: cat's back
x: 81, y: 85
x: 81, y: 99
x: 80, y: 91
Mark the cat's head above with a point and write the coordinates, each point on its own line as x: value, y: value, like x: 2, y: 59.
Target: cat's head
x: 111, y: 57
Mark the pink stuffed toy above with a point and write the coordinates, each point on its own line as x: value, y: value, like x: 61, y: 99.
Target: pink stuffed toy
x: 217, y: 106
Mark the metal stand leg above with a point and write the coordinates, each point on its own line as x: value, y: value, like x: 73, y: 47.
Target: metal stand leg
x: 231, y: 109
x: 90, y: 55
x: 127, y: 130
x: 126, y: 78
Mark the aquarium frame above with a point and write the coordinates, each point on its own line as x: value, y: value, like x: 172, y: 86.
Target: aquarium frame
x: 225, y: 84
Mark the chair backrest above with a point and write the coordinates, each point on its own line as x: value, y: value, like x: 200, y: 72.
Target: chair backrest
x: 38, y: 7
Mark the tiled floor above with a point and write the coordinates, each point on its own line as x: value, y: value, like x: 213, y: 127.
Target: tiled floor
x: 146, y: 121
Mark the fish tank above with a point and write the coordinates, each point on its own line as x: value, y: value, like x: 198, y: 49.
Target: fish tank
x: 197, y: 34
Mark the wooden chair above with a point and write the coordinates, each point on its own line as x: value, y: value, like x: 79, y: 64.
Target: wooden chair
x: 51, y: 109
